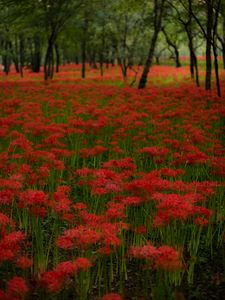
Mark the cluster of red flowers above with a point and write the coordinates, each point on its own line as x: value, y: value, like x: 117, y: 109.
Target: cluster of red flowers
x: 12, y: 245
x: 56, y: 279
x: 93, y: 167
x: 163, y: 257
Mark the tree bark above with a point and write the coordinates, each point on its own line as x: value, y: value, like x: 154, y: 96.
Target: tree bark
x: 216, y: 66
x: 174, y: 46
x: 208, y: 45
x: 36, y: 55
x: 21, y: 54
x: 6, y: 59
x: 148, y: 63
x: 48, y: 60
x: 83, y: 57
x: 223, y: 44
x: 57, y: 58
x: 15, y: 55
x: 223, y: 54
x: 158, y: 12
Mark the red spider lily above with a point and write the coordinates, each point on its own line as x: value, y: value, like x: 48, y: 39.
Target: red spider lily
x: 132, y: 201
x: 181, y: 207
x: 164, y: 257
x: 171, y: 172
x: 80, y: 206
x: 155, y: 151
x: 35, y: 201
x: 82, y: 263
x: 52, y: 281
x: 112, y: 296
x: 85, y: 153
x: 24, y: 262
x: 201, y: 221
x: 140, y: 230
x: 81, y: 236
x: 4, y: 220
x: 16, y: 287
x: 6, y: 196
x: 115, y: 210
x: 56, y: 279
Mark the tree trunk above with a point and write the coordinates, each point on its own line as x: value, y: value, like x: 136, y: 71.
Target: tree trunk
x: 144, y: 76
x: 48, y: 60
x: 101, y: 63
x: 208, y: 45
x: 192, y: 72
x: 193, y: 57
x: 6, y: 59
x: 223, y: 42
x: 157, y: 60
x: 223, y: 54
x: 174, y: 46
x: 158, y: 12
x: 83, y: 57
x: 216, y: 69
x: 21, y: 54
x: 214, y: 46
x: 36, y: 56
x: 196, y: 69
x: 94, y: 65
x: 15, y: 55
x: 177, y: 58
x: 57, y: 58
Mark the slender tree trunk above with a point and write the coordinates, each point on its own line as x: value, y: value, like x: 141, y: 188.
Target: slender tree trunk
x: 177, y: 58
x: 223, y: 55
x: 83, y: 57
x: 223, y: 42
x: 196, y: 69
x: 158, y: 12
x: 52, y: 63
x: 192, y: 72
x: 6, y: 59
x: 84, y: 45
x: 193, y: 58
x: 144, y: 76
x: 107, y: 59
x: 57, y: 58
x: 157, y: 60
x: 216, y: 70
x: 102, y: 50
x: 208, y: 45
x: 94, y: 65
x: 47, y: 62
x: 36, y: 60
x: 174, y: 46
x: 15, y: 55
x: 101, y: 62
x: 21, y: 54
x: 214, y: 46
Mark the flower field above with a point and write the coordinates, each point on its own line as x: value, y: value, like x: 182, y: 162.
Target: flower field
x: 110, y: 192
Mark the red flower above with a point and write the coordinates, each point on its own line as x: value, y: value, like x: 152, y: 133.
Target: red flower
x: 82, y: 263
x: 17, y: 287
x: 52, y: 281
x: 24, y: 262
x: 111, y: 296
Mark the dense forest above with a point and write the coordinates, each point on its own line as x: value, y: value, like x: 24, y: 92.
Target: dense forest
x: 123, y: 32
